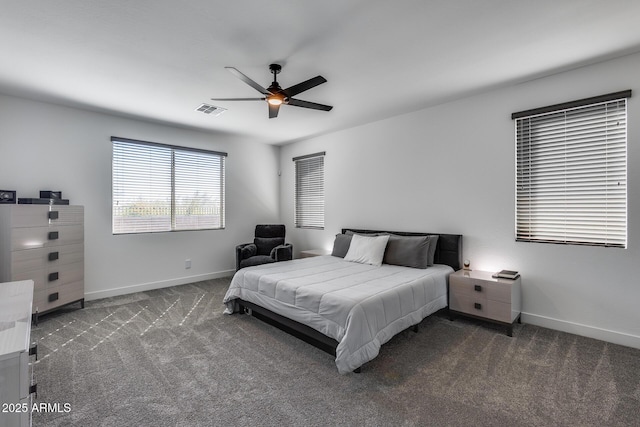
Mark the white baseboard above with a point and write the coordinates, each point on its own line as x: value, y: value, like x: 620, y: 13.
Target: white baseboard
x: 88, y: 296
x: 614, y: 337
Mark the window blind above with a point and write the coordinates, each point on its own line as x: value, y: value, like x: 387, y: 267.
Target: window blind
x: 309, y: 191
x: 159, y: 188
x: 571, y: 175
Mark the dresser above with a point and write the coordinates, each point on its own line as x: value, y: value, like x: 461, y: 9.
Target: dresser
x: 44, y: 243
x: 15, y: 374
x: 477, y: 294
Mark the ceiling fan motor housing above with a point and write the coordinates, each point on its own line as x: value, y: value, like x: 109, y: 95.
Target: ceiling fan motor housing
x: 275, y: 68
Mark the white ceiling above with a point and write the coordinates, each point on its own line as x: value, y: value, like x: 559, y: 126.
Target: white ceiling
x: 160, y: 59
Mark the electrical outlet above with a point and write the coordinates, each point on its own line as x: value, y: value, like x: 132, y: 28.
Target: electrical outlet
x: 187, y: 263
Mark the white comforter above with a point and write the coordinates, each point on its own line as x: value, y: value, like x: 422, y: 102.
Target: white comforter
x: 358, y: 305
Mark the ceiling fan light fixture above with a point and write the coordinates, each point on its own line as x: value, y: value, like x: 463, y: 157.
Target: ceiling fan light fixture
x: 275, y: 100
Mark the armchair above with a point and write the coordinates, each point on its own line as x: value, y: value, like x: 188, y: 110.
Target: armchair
x: 268, y: 246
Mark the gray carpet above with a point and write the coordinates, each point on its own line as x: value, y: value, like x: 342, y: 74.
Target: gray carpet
x: 171, y: 358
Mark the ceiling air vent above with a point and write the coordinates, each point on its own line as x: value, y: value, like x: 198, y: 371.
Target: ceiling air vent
x: 211, y: 109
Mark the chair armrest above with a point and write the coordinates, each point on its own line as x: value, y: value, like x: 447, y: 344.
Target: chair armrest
x: 244, y: 251
x: 282, y: 252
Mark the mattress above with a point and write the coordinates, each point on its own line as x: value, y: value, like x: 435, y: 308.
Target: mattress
x: 359, y: 305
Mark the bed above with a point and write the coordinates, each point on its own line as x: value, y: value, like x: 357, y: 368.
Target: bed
x: 344, y: 305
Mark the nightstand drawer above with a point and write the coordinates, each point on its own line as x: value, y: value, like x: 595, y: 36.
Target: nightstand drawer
x: 482, y: 307
x: 474, y: 288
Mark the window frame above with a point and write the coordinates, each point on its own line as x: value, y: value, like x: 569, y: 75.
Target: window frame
x: 309, y: 195
x: 175, y: 163
x: 572, y: 184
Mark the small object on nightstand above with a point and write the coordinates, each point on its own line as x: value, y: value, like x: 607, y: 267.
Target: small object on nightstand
x: 48, y: 194
x: 466, y: 264
x: 7, y: 196
x: 506, y: 274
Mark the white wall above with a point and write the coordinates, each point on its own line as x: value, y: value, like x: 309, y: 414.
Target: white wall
x: 49, y: 147
x: 451, y: 169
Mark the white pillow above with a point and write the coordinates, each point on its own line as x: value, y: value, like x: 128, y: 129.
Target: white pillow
x: 367, y: 250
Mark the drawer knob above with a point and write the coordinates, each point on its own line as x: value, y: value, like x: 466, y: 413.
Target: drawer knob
x: 33, y: 350
x: 477, y: 288
x: 53, y: 297
x: 53, y: 235
x: 53, y: 276
x: 53, y: 214
x: 53, y: 256
x: 477, y: 306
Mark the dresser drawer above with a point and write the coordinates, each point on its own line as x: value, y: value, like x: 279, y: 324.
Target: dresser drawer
x: 39, y: 215
x: 56, y: 296
x: 33, y: 259
x: 45, y: 237
x: 474, y: 288
x: 48, y: 277
x: 482, y: 307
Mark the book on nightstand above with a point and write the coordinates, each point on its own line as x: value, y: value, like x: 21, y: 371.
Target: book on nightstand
x: 506, y: 274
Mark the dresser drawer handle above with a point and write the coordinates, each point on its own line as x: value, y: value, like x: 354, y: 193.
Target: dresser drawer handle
x: 53, y: 276
x: 33, y: 388
x: 33, y: 350
x: 53, y: 297
x: 53, y: 235
x: 477, y: 306
x: 53, y: 214
x: 477, y: 288
x: 53, y: 256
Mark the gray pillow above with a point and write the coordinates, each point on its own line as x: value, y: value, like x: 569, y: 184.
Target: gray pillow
x: 408, y: 251
x: 341, y: 245
x: 433, y: 241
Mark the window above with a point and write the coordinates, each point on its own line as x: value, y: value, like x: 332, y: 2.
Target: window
x: 160, y: 188
x: 571, y: 172
x: 309, y: 203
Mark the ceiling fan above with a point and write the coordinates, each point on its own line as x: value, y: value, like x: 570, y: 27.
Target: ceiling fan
x: 276, y: 96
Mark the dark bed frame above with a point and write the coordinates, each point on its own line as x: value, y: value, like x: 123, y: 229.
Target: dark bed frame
x: 448, y: 251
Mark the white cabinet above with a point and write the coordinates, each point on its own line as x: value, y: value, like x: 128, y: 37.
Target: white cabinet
x: 44, y: 243
x: 15, y: 374
x: 477, y: 294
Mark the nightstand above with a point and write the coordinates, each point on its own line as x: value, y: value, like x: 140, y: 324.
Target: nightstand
x: 476, y: 294
x: 314, y: 252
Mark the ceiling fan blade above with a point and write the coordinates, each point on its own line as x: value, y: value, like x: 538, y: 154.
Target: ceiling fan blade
x: 247, y: 80
x: 273, y: 110
x: 307, y: 104
x: 306, y: 85
x: 238, y: 99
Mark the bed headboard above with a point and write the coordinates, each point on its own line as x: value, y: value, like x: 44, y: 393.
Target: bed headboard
x: 448, y: 249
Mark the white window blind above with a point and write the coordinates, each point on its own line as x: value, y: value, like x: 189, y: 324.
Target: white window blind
x: 159, y: 188
x: 309, y: 191
x: 571, y: 183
